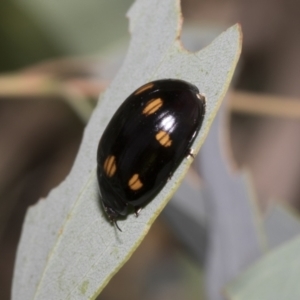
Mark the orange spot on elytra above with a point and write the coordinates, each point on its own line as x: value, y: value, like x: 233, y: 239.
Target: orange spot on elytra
x: 163, y: 138
x: 110, y: 166
x: 135, y: 183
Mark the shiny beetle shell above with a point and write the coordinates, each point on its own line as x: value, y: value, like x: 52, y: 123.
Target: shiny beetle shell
x: 144, y: 143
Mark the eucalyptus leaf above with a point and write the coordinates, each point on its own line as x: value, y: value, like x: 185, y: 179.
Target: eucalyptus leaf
x: 235, y: 236
x: 186, y: 216
x: 275, y: 276
x: 68, y: 249
x: 281, y: 224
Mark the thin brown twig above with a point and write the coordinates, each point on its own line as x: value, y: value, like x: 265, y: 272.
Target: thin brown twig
x: 264, y: 105
x: 77, y: 91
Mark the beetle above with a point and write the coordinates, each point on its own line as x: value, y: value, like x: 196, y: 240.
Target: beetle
x: 144, y: 143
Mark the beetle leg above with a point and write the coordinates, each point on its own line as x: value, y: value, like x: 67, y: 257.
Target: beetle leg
x: 137, y: 211
x: 190, y: 153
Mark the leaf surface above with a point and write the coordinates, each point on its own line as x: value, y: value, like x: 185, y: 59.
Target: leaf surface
x: 282, y: 223
x: 235, y: 235
x: 275, y: 276
x: 68, y: 249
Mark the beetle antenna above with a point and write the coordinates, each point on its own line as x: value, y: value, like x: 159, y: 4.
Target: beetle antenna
x: 116, y: 224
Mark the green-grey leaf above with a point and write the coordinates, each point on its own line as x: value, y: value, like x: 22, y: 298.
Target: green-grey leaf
x: 281, y: 224
x: 68, y: 250
x: 234, y: 231
x: 186, y: 214
x: 276, y: 276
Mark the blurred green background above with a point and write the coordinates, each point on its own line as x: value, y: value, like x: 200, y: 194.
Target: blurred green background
x: 32, y: 31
